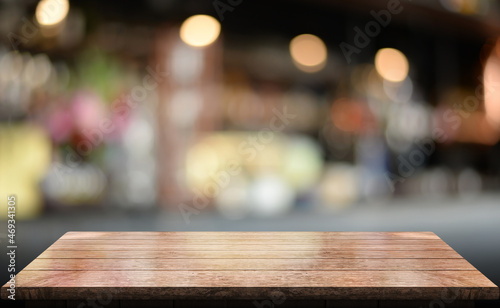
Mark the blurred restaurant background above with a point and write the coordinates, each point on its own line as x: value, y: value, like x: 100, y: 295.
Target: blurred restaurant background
x: 252, y: 115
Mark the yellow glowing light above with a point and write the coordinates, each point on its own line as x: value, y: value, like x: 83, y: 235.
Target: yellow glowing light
x: 200, y: 30
x: 308, y: 52
x: 202, y: 162
x: 491, y: 96
x: 391, y: 64
x: 51, y: 12
x: 25, y: 156
x: 465, y: 6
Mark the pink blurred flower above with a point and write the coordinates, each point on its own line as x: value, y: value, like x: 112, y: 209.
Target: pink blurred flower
x: 87, y: 111
x: 60, y: 125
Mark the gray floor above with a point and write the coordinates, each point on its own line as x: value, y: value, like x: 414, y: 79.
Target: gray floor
x: 471, y: 226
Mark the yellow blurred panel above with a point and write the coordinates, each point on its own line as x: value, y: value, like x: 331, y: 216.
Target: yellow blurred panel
x: 25, y: 152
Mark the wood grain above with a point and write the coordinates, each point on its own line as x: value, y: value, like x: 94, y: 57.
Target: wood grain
x: 250, y: 235
x: 197, y: 254
x: 400, y: 285
x: 246, y: 247
x: 327, y: 242
x: 260, y: 303
x: 236, y: 266
x: 249, y: 264
x: 252, y: 279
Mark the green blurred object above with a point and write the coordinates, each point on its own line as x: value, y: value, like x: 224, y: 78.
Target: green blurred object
x: 101, y: 73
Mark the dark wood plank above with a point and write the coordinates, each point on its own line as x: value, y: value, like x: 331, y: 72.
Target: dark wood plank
x: 93, y: 303
x: 198, y: 304
x: 265, y: 303
x: 166, y: 254
x: 404, y: 285
x: 352, y: 304
x: 45, y: 304
x: 146, y: 304
x: 249, y: 264
x: 269, y: 303
x: 426, y: 304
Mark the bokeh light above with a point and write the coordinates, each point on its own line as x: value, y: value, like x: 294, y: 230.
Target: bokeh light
x: 302, y: 164
x: 200, y: 30
x: 391, y: 64
x: 202, y: 161
x: 11, y: 66
x: 466, y: 7
x: 491, y: 95
x: 339, y: 187
x: 308, y: 52
x: 38, y: 70
x: 270, y: 196
x: 399, y: 92
x: 51, y: 12
x: 25, y: 155
x: 347, y: 115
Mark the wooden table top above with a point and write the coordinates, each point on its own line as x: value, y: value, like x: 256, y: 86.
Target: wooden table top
x: 247, y: 265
